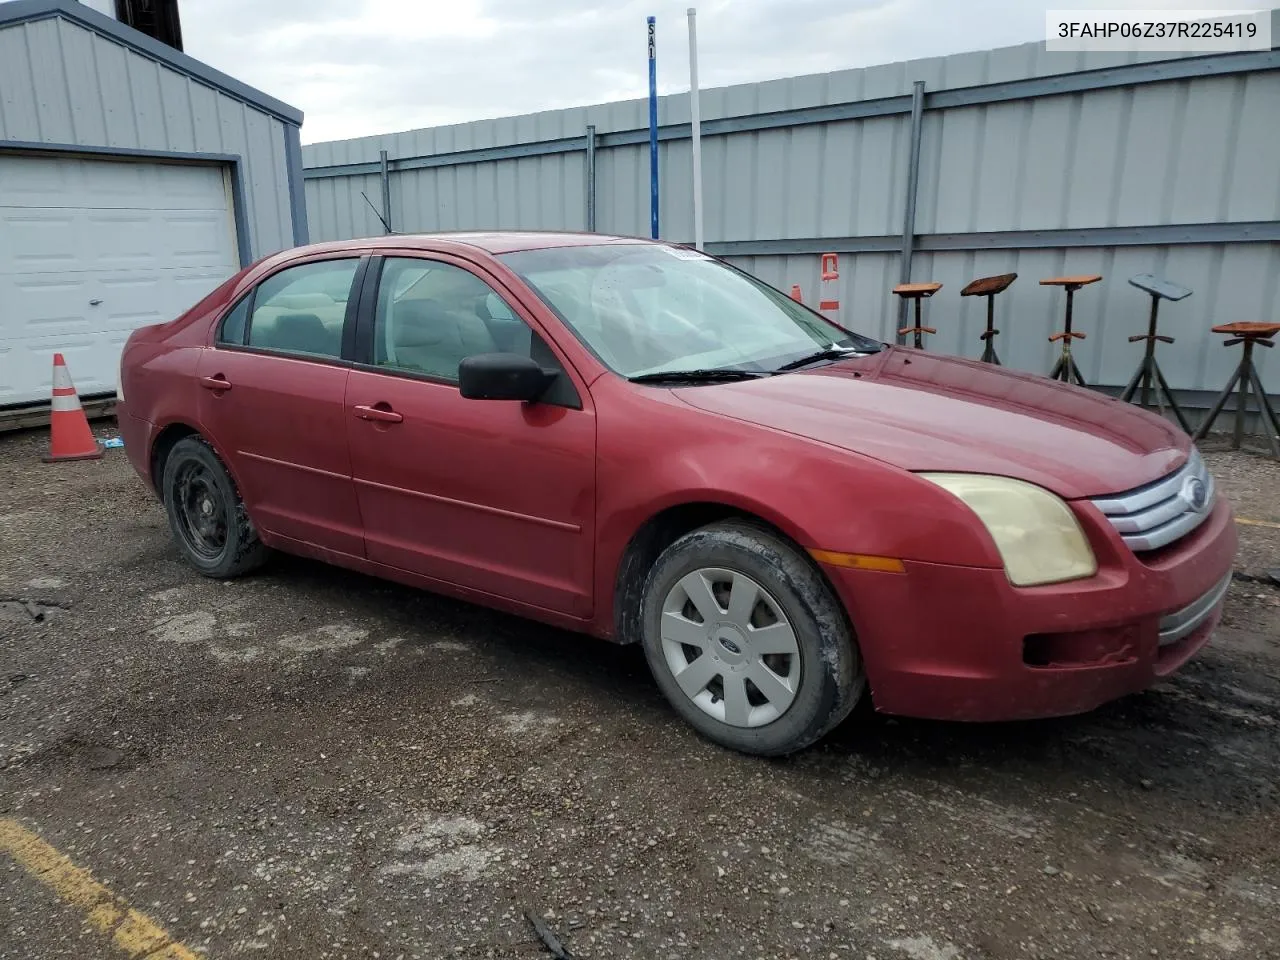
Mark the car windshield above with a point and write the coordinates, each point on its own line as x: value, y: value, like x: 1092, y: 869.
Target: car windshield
x: 648, y: 309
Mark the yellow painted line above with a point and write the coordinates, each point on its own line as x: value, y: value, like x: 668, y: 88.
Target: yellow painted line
x: 1258, y: 523
x: 136, y: 934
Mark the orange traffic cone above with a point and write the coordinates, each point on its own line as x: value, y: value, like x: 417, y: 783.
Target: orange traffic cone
x: 796, y: 294
x: 69, y: 435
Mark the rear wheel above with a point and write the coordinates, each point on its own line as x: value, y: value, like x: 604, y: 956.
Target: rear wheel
x: 206, y: 514
x: 746, y: 640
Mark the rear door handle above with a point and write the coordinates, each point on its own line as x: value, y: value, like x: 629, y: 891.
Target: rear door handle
x: 215, y: 383
x: 367, y: 412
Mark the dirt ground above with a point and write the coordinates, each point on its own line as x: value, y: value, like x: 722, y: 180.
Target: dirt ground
x: 310, y: 763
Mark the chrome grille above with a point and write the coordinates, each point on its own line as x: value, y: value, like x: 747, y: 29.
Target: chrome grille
x: 1157, y: 514
x: 1182, y: 623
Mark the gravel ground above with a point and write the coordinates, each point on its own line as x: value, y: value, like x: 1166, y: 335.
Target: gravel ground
x: 311, y: 763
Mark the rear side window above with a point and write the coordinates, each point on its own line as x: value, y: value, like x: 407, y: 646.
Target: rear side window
x: 302, y: 309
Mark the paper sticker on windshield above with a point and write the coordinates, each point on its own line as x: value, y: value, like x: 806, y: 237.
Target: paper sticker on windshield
x: 686, y: 253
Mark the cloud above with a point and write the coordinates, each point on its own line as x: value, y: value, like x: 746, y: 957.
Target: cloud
x: 360, y: 67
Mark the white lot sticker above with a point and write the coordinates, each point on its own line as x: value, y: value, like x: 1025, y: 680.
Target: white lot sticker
x: 686, y: 253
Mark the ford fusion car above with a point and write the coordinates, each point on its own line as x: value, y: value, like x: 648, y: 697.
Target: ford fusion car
x: 643, y: 443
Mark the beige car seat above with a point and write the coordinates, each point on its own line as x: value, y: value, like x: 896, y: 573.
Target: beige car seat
x: 307, y: 333
x: 429, y: 338
x: 270, y: 328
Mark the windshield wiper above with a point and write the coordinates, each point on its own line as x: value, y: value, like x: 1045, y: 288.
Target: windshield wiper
x: 827, y: 353
x: 697, y: 376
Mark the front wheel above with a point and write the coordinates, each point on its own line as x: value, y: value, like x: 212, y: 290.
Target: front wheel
x: 746, y: 640
x: 206, y: 514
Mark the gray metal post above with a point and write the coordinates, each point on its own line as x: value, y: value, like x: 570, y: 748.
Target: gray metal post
x: 909, y: 207
x: 386, y: 190
x: 591, y: 178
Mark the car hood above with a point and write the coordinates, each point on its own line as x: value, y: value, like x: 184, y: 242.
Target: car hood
x: 922, y: 411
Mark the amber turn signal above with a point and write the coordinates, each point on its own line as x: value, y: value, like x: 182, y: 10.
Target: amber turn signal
x: 859, y: 561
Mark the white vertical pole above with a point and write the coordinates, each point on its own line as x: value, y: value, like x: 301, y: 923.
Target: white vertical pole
x: 695, y: 115
x: 654, y: 231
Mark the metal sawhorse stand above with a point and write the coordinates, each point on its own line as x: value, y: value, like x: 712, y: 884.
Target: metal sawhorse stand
x: 1148, y: 371
x: 1247, y: 375
x: 988, y: 287
x: 1065, y: 369
x: 917, y: 292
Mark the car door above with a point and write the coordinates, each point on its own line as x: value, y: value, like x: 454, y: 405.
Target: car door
x: 273, y: 402
x: 495, y: 496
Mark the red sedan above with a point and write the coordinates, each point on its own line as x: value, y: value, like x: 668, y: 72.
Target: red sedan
x: 644, y: 443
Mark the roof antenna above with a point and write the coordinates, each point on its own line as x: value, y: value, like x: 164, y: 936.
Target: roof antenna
x: 386, y: 226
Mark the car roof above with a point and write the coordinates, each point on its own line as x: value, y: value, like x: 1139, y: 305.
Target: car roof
x: 491, y: 241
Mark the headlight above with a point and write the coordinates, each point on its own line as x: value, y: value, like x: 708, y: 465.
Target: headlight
x: 1039, y: 538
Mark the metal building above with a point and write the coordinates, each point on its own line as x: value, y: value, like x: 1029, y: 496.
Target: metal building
x: 133, y: 180
x: 1031, y: 162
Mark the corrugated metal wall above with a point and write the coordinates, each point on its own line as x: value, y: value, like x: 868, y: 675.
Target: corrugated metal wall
x: 1086, y: 146
x: 1231, y: 282
x: 61, y: 83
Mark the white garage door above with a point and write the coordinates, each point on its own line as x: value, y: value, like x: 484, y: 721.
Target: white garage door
x: 90, y: 250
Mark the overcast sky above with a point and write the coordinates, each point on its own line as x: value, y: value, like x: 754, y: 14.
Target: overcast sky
x: 359, y: 67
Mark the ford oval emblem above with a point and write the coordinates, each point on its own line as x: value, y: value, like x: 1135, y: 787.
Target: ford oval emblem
x: 1195, y: 493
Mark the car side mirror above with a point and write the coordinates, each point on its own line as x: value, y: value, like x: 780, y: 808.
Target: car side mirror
x: 502, y: 376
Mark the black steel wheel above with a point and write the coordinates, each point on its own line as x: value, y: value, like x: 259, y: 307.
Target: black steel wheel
x: 206, y: 514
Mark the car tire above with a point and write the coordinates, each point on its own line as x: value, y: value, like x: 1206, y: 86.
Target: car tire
x: 784, y: 667
x: 206, y: 515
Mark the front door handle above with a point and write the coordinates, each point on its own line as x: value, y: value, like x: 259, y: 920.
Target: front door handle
x: 217, y: 382
x: 382, y: 414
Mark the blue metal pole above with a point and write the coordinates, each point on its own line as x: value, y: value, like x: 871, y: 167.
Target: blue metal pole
x: 653, y: 129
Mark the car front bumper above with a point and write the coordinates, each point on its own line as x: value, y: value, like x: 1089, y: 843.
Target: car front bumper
x: 961, y: 643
